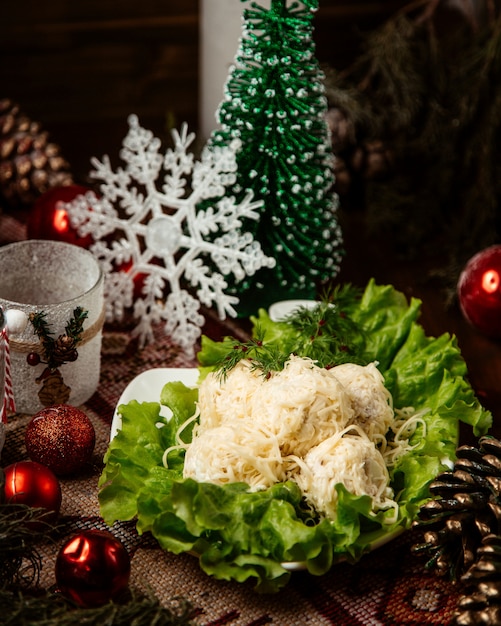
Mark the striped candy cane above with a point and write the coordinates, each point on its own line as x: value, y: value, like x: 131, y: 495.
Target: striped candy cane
x: 8, y: 399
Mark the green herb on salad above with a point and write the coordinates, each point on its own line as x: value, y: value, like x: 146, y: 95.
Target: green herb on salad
x: 325, y: 333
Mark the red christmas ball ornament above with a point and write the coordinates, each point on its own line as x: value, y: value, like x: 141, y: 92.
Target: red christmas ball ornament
x: 479, y: 291
x: 49, y: 219
x: 92, y: 568
x: 33, y: 484
x: 62, y: 437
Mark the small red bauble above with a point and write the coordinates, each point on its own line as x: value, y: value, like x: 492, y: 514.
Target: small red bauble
x: 61, y: 437
x: 49, y: 220
x: 479, y: 291
x: 92, y: 568
x: 34, y: 485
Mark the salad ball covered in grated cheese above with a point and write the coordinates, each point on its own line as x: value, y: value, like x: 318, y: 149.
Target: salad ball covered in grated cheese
x: 227, y: 454
x: 227, y: 399
x: 350, y: 459
x: 302, y: 405
x: 371, y: 401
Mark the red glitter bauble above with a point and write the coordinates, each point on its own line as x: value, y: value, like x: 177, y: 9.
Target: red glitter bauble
x: 34, y: 485
x: 479, y: 291
x: 92, y: 568
x: 49, y: 220
x: 61, y: 437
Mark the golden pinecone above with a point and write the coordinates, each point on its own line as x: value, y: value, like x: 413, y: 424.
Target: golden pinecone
x: 30, y: 163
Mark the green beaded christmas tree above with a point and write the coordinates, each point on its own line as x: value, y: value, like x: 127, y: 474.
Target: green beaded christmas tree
x: 275, y: 105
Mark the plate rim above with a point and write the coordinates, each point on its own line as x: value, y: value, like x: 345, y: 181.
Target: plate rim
x: 116, y: 421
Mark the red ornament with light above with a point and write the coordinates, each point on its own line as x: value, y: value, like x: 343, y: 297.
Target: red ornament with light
x: 479, y: 291
x: 34, y: 485
x: 49, y: 220
x: 62, y: 437
x: 92, y: 568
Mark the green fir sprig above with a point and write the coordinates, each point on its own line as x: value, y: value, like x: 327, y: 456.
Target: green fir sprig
x: 57, y: 351
x: 21, y: 530
x: 51, y: 609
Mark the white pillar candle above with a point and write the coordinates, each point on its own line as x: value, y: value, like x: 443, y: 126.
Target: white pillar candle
x: 220, y: 32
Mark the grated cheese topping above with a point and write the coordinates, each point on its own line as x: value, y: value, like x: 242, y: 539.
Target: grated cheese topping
x: 371, y: 401
x: 229, y: 399
x: 349, y: 458
x: 228, y: 454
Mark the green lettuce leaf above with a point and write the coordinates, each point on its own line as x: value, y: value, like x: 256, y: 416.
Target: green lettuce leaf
x: 244, y: 536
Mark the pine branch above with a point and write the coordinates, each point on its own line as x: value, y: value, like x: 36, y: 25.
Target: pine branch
x: 58, y: 351
x: 21, y: 529
x: 74, y: 327
x: 48, y: 609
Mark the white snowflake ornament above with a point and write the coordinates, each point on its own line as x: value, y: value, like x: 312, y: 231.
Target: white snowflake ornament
x: 149, y: 224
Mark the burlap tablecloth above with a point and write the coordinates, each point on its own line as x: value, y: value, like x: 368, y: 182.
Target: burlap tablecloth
x: 388, y: 586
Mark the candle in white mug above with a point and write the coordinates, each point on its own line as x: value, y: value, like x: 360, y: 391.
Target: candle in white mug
x: 52, y: 280
x: 220, y: 33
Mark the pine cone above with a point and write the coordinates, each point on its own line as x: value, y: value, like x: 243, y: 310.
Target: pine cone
x: 467, y: 509
x: 481, y: 605
x: 64, y: 349
x: 378, y: 159
x: 29, y: 163
x: 341, y: 128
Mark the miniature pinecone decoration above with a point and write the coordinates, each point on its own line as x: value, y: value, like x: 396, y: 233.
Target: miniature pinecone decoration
x: 29, y: 163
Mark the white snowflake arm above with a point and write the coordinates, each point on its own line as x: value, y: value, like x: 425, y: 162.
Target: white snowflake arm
x: 211, y: 288
x: 141, y: 152
x: 179, y: 163
x: 216, y: 171
x: 183, y: 320
x: 90, y: 215
x: 239, y: 255
x: 227, y: 215
x: 166, y: 236
x: 149, y: 309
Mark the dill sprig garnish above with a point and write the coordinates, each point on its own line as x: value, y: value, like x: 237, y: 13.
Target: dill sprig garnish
x: 325, y: 333
x: 262, y: 356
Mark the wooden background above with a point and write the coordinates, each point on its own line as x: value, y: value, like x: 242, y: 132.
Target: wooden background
x: 80, y: 68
